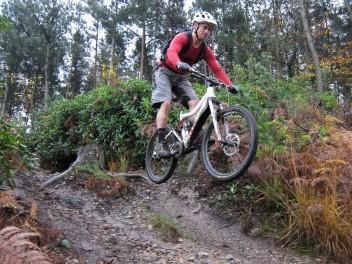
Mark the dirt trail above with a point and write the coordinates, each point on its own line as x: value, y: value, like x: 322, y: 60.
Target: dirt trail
x: 117, y: 230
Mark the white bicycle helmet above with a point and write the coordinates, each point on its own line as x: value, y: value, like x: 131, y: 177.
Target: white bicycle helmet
x: 204, y: 17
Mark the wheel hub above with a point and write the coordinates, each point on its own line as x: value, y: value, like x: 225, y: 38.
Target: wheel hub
x: 234, y: 139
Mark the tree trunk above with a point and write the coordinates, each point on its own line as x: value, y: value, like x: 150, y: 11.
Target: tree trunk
x: 95, y: 81
x: 142, y: 53
x: 349, y: 8
x: 290, y: 63
x: 346, y: 91
x: 5, y: 99
x: 10, y: 91
x: 154, y: 46
x: 111, y: 66
x: 156, y: 30
x: 46, y: 78
x: 310, y: 41
x: 32, y: 100
x: 276, y: 7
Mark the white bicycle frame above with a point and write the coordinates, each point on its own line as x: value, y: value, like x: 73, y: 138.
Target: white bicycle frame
x: 197, y: 111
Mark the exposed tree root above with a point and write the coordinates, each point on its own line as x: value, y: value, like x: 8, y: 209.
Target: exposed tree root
x: 57, y: 177
x: 89, y: 154
x: 86, y: 154
x: 129, y: 175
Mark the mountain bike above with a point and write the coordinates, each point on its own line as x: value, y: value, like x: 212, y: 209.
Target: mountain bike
x: 228, y: 143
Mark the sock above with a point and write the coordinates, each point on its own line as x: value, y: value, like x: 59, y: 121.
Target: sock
x: 161, y: 132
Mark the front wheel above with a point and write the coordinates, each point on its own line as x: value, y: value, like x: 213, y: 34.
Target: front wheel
x: 228, y: 159
x: 159, y: 170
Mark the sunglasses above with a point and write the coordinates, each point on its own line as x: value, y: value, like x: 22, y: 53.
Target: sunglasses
x: 206, y: 27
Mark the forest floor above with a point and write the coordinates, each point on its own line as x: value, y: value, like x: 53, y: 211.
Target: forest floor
x: 121, y: 230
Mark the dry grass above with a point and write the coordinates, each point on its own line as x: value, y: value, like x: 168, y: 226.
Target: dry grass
x: 148, y: 129
x: 9, y: 209
x: 316, y: 185
x: 16, y: 248
x: 112, y: 187
x: 24, y: 215
x: 319, y: 214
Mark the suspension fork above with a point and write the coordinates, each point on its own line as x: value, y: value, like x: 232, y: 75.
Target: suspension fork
x: 215, y: 121
x: 226, y: 127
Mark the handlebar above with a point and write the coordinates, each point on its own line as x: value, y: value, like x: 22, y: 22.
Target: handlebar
x: 210, y: 80
x: 213, y: 82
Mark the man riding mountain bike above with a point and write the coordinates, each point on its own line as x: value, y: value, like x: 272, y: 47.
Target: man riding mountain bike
x: 171, y: 76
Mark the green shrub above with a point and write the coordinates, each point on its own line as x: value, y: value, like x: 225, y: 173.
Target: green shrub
x: 262, y: 93
x: 110, y: 117
x: 14, y: 155
x: 328, y: 100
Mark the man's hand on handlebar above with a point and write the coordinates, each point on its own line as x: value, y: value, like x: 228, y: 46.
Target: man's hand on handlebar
x: 183, y: 66
x: 232, y: 88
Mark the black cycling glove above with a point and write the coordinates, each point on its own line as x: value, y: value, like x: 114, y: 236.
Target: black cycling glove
x: 232, y: 88
x: 183, y: 66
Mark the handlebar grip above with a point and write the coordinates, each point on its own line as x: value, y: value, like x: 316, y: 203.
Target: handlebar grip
x: 232, y: 88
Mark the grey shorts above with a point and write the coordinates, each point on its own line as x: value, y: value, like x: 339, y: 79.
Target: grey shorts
x: 166, y: 82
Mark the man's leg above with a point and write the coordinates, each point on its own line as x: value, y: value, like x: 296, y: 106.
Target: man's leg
x: 161, y: 123
x: 161, y: 99
x: 163, y: 114
x: 185, y: 91
x: 192, y: 104
x: 194, y: 156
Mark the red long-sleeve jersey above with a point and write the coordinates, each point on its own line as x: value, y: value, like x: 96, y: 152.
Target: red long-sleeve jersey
x: 172, y: 57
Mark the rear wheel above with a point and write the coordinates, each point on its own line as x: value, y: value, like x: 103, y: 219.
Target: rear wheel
x: 229, y: 159
x: 158, y: 169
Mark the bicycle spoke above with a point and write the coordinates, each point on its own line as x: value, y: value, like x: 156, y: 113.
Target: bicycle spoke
x: 158, y: 170
x: 228, y: 159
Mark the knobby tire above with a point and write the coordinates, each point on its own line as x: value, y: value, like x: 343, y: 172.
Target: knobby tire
x: 243, y: 132
x: 166, y: 166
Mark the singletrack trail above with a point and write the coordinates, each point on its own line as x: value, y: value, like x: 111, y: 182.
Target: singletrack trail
x: 118, y: 230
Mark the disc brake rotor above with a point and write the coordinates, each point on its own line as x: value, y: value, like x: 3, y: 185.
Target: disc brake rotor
x: 232, y: 150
